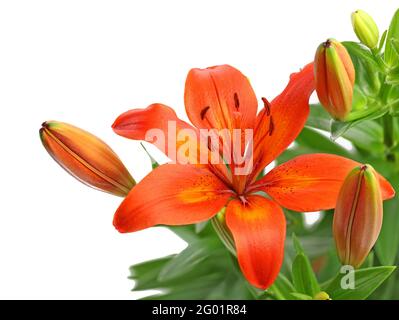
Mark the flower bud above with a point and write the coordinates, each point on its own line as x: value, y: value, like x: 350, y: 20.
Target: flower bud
x: 322, y: 295
x: 358, y: 215
x: 365, y: 28
x: 86, y: 157
x: 335, y: 78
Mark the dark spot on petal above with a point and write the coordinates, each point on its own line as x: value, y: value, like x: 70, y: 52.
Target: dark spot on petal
x: 203, y: 112
x: 236, y: 101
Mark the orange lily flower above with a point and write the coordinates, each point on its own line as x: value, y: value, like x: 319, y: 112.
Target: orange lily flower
x: 221, y: 97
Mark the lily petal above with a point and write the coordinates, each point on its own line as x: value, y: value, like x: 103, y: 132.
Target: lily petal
x: 311, y: 182
x: 280, y: 123
x: 154, y: 124
x: 220, y: 97
x: 172, y: 194
x: 258, y: 228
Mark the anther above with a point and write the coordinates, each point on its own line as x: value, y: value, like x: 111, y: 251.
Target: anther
x: 271, y: 126
x: 209, y: 143
x: 266, y: 105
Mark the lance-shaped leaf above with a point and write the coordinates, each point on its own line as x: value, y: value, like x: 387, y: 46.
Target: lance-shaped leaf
x: 303, y: 276
x: 357, y: 284
x: 391, y: 55
x: 358, y: 215
x: 86, y: 157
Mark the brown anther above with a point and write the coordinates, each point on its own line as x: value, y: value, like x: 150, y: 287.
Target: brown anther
x: 203, y: 112
x: 266, y: 105
x: 271, y: 126
x: 236, y: 101
x: 209, y: 143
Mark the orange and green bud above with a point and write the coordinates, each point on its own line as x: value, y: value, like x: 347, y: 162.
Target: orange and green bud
x: 335, y: 78
x: 365, y: 28
x: 358, y: 215
x: 86, y: 157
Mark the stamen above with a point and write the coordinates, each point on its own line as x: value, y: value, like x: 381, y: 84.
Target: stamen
x: 236, y: 101
x: 266, y: 104
x: 204, y: 111
x: 243, y: 200
x: 271, y: 126
x: 209, y: 143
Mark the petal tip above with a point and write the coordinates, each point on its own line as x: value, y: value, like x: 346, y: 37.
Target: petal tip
x: 118, y: 223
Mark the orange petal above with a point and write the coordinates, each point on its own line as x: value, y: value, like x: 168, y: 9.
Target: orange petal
x: 279, y: 124
x: 215, y: 96
x: 172, y: 194
x: 258, y: 228
x: 311, y: 182
x: 155, y: 124
x: 180, y: 141
x: 86, y: 157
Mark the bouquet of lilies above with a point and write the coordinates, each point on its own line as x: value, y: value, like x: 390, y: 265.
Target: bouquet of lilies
x: 241, y: 178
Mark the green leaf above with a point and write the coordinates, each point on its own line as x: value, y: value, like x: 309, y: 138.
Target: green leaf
x: 188, y: 259
x: 393, y: 76
x: 187, y: 233
x: 331, y: 266
x: 300, y: 296
x: 368, y: 78
x: 281, y: 288
x: 387, y: 245
x: 303, y: 276
x: 318, y: 118
x: 382, y: 40
x: 297, y: 245
x: 204, y: 270
x: 359, y: 52
x: 367, y: 135
x: 390, y: 55
x: 214, y: 278
x: 145, y: 274
x: 201, y: 226
x: 369, y: 262
x: 365, y: 282
x: 339, y: 128
x: 316, y: 142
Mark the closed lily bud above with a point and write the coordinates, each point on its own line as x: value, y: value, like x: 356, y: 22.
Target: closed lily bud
x: 322, y: 295
x: 86, y: 157
x: 358, y: 216
x: 365, y: 28
x: 335, y: 78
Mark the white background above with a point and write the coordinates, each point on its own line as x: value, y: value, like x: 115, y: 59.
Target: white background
x: 85, y: 62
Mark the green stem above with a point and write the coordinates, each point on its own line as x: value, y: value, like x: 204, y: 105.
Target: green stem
x: 388, y: 123
x: 380, y: 61
x: 389, y: 142
x: 224, y: 234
